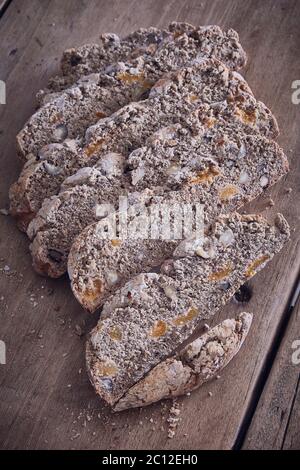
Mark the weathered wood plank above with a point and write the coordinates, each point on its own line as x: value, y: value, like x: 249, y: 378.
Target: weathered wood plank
x: 18, y: 26
x: 45, y: 402
x: 274, y: 424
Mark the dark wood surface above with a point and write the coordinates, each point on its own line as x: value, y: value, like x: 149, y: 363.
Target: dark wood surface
x: 46, y: 401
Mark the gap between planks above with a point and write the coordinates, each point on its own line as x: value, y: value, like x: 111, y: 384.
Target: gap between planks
x: 267, y: 425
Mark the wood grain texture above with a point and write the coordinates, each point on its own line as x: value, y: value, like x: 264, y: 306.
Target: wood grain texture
x: 46, y: 401
x: 275, y: 424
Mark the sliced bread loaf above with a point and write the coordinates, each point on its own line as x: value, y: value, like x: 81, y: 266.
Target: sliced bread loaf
x: 95, y: 58
x: 220, y: 167
x: 219, y: 176
x: 199, y: 362
x: 141, y: 327
x: 99, y: 95
x: 171, y: 100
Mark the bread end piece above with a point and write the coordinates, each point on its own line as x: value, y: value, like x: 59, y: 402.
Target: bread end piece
x: 196, y: 364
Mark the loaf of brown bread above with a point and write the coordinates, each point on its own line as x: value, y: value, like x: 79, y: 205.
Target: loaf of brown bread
x: 144, y: 322
x: 200, y: 361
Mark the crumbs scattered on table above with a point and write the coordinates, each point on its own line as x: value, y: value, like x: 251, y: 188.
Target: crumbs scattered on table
x: 78, y: 330
x: 270, y: 202
x: 173, y: 419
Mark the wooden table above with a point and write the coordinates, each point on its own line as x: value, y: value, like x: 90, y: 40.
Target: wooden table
x: 46, y: 401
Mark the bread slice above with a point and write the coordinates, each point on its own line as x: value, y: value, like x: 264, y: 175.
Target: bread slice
x: 151, y: 316
x: 171, y: 100
x: 100, y: 94
x: 237, y: 174
x: 95, y: 58
x: 199, y: 362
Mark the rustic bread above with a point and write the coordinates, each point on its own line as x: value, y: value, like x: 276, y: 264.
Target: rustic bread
x: 172, y: 99
x: 239, y: 171
x: 199, y: 362
x: 241, y: 168
x: 90, y: 99
x: 94, y: 58
x: 100, y: 94
x: 152, y: 315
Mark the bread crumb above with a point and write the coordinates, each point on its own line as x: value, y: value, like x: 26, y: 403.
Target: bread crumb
x: 173, y: 419
x: 78, y: 330
x: 270, y: 202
